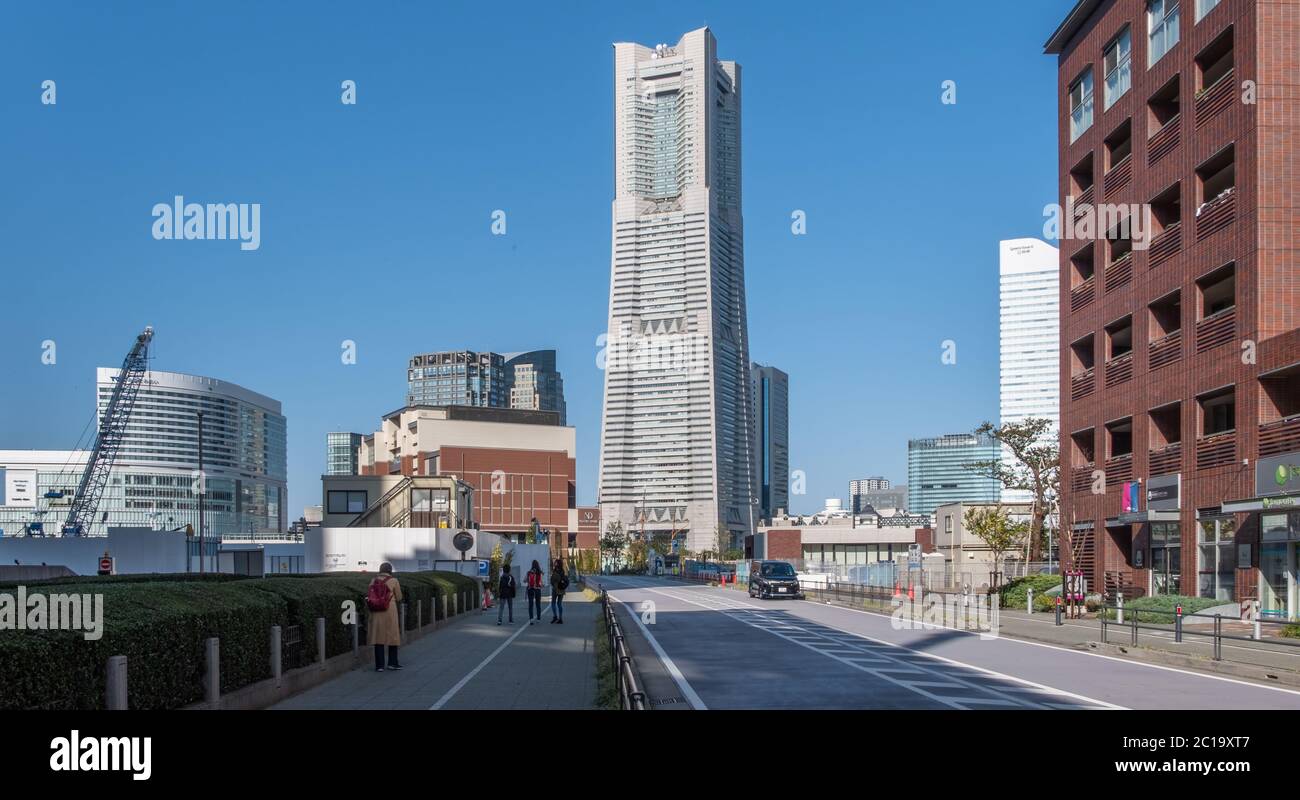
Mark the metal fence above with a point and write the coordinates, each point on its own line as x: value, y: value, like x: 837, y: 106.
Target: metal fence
x: 630, y: 694
x: 1177, y: 618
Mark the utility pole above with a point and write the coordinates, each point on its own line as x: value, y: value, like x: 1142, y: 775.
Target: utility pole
x: 202, y: 490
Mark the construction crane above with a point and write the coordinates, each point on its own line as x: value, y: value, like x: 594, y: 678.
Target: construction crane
x: 112, y: 430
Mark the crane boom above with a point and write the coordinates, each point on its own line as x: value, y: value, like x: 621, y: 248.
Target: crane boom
x: 112, y: 430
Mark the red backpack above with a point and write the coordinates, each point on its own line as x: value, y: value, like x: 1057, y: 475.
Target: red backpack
x: 379, y: 596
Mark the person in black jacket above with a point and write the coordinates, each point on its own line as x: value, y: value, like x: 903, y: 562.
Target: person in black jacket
x: 506, y: 593
x: 559, y: 583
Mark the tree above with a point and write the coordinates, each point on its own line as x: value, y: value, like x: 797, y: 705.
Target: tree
x: 613, y: 542
x: 1035, y: 467
x: 494, y: 566
x: 636, y: 554
x: 994, y: 527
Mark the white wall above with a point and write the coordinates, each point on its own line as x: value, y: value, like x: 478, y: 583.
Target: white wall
x: 134, y: 550
x: 407, y: 549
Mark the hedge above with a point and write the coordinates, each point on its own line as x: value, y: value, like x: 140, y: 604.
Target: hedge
x: 160, y: 623
x: 1013, y: 594
x: 1159, y: 608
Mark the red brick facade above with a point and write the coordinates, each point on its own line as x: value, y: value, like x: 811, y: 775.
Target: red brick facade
x: 1255, y: 111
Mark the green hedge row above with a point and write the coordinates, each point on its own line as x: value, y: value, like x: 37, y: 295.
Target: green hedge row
x: 160, y: 625
x: 1014, y: 593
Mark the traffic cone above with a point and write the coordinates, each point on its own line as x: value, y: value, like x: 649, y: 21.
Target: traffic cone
x: 911, y: 592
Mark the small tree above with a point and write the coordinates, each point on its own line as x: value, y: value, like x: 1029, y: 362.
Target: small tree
x: 613, y: 542
x: 494, y: 566
x: 994, y: 527
x: 1035, y: 468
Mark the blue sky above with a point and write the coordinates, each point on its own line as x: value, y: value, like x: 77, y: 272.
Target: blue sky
x: 376, y: 217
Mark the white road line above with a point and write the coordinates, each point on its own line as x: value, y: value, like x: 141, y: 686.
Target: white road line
x: 1013, y: 678
x: 1096, y: 655
x: 678, y: 677
x: 461, y: 683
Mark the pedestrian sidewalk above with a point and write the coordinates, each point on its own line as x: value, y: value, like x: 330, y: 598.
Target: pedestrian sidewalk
x: 475, y: 664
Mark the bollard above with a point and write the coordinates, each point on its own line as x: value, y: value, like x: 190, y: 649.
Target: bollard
x: 455, y: 604
x: 115, y: 687
x: 1029, y: 601
x: 1178, y: 623
x: 1134, y: 616
x: 212, y: 676
x: 1058, y: 611
x: 1119, y: 603
x: 275, y: 654
x: 1255, y: 610
x: 320, y: 641
x: 1218, y: 634
x: 419, y: 614
x: 444, y: 609
x: 356, y: 638
x: 401, y: 623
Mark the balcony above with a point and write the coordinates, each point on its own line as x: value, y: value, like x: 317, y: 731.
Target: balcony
x: 1084, y: 198
x: 1119, y: 469
x: 1083, y: 294
x: 1081, y: 478
x: 1165, y: 246
x: 1165, y: 460
x: 1277, y: 438
x: 1165, y: 351
x: 1216, y: 329
x: 1119, y: 370
x: 1083, y: 384
x: 1216, y: 214
x: 1217, y: 450
x: 1164, y: 142
x: 1119, y: 273
x: 1213, y: 99
x: 1118, y: 176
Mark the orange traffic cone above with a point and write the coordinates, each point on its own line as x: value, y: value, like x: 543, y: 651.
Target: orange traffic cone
x: 911, y: 592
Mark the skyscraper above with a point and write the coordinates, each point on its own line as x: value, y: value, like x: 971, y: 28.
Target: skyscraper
x: 1029, y: 315
x: 341, y: 453
x: 771, y: 389
x: 675, y: 446
x: 528, y: 380
x: 535, y: 383
x: 937, y: 472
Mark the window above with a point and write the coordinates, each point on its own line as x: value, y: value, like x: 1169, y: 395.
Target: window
x: 1081, y: 177
x: 1119, y: 335
x: 1081, y: 104
x: 1119, y: 74
x: 1166, y: 209
x: 1120, y: 437
x: 1162, y: 28
x: 1119, y: 145
x: 1164, y: 105
x: 1217, y: 575
x: 1280, y: 394
x: 1165, y: 316
x: 1218, y: 290
x: 1082, y: 355
x: 1218, y: 411
x: 341, y: 502
x: 1166, y: 425
x: 1204, y: 7
x: 1214, y: 63
x: 1166, y: 558
x: 1082, y: 442
x: 1082, y: 267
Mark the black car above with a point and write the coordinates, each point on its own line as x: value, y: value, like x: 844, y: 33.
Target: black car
x: 769, y: 579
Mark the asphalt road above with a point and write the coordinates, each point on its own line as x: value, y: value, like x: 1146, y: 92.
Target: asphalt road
x: 728, y: 651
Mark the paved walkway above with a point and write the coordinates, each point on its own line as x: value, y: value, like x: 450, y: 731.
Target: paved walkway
x: 474, y: 664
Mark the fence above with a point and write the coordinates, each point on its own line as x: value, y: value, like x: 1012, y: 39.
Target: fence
x: 630, y: 694
x: 1178, y: 618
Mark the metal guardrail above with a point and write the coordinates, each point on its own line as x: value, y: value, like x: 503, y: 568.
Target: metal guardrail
x: 629, y: 691
x: 1132, y: 625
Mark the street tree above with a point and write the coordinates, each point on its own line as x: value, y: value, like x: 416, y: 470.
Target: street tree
x: 1035, y: 467
x: 613, y: 542
x: 994, y: 527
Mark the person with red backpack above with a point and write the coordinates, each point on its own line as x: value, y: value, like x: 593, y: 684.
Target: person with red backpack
x: 384, y: 627
x: 534, y: 590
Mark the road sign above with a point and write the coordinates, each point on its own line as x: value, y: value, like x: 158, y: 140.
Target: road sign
x: 913, y: 555
x: 106, y: 565
x: 482, y: 568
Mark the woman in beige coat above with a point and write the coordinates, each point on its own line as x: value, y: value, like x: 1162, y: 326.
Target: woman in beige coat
x: 384, y: 628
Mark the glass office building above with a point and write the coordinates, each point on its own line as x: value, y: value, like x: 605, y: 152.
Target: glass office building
x: 937, y: 472
x: 341, y: 453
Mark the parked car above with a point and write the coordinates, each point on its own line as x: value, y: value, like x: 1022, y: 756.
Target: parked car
x: 768, y: 579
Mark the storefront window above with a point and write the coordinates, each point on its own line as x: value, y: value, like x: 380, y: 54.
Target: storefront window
x: 1166, y: 558
x: 1217, y: 576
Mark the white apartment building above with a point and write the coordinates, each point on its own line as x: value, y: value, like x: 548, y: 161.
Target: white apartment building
x: 676, y: 450
x: 1029, y: 335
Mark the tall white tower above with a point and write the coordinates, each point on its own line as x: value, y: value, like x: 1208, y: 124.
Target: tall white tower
x: 676, y: 452
x: 1029, y: 332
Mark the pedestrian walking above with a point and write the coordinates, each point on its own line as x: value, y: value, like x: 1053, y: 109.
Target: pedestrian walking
x: 506, y: 594
x: 559, y: 583
x: 533, y: 588
x: 384, y: 629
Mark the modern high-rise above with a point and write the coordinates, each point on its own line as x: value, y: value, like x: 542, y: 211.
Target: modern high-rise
x: 938, y: 473
x: 535, y: 383
x: 675, y: 439
x: 876, y: 492
x: 771, y: 391
x: 341, y: 453
x: 1029, y: 319
x: 153, y: 480
x: 1180, y: 373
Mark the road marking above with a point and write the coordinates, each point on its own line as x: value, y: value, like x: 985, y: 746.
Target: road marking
x: 678, y: 677
x: 461, y: 684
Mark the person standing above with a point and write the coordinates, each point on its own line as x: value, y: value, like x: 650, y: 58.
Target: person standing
x: 384, y: 628
x: 533, y: 588
x: 559, y: 583
x: 506, y: 594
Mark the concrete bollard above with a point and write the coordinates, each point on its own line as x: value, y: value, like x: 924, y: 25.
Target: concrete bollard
x: 212, y: 674
x: 419, y: 614
x: 276, y: 660
x: 356, y: 638
x: 401, y: 623
x: 455, y: 604
x: 320, y: 641
x: 444, y: 609
x: 115, y: 686
x: 1029, y: 601
x: 1254, y: 607
x: 1119, y: 604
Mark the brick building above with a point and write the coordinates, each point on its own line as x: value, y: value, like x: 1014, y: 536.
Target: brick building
x: 1180, y: 340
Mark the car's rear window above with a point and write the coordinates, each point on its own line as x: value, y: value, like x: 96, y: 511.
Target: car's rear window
x: 781, y: 570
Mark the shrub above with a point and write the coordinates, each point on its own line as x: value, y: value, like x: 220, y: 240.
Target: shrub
x: 1291, y: 632
x: 1159, y: 609
x: 1013, y: 593
x: 1044, y: 602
